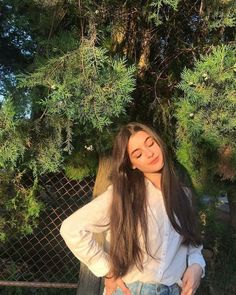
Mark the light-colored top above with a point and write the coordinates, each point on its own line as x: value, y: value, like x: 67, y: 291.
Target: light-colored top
x: 171, y: 257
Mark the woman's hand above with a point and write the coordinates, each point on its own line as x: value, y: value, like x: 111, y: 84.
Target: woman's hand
x: 111, y: 285
x: 191, y: 279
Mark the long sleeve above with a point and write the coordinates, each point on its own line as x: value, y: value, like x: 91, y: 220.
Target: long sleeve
x: 195, y: 256
x: 77, y: 231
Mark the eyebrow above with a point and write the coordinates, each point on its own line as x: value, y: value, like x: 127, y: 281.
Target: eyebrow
x: 138, y: 148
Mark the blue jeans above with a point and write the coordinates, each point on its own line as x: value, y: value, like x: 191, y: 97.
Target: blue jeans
x: 139, y: 288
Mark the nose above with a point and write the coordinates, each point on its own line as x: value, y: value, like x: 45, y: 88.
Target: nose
x: 148, y: 153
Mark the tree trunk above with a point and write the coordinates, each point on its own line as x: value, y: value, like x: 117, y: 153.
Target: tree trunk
x: 88, y: 283
x: 103, y: 175
x: 144, y: 60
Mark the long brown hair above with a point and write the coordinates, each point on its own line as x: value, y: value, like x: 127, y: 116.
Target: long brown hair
x: 128, y: 213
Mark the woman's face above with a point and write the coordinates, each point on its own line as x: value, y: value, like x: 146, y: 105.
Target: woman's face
x: 144, y: 153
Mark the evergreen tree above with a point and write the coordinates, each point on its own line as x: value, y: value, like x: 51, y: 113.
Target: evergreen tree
x: 206, y: 129
x: 79, y: 57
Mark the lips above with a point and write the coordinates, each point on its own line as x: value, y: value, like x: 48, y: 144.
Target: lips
x: 154, y: 161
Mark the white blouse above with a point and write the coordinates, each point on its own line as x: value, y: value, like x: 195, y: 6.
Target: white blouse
x: 170, y: 257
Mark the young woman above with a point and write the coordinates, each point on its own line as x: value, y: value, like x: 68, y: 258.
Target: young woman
x: 152, y: 245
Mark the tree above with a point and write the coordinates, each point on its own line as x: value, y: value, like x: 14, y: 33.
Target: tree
x: 74, y: 92
x: 67, y: 53
x: 206, y: 123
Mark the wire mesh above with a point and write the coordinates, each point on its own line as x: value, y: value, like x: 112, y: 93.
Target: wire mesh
x: 43, y: 255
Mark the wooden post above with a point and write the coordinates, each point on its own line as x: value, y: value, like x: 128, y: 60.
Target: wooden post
x: 102, y: 179
x: 89, y: 284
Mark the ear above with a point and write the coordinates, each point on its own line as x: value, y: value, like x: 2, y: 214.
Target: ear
x: 133, y: 167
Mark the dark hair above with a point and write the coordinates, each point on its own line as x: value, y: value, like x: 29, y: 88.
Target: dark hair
x: 129, y: 207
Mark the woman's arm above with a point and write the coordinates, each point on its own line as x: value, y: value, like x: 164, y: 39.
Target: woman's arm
x: 77, y: 231
x: 194, y: 256
x: 194, y: 272
x: 191, y: 279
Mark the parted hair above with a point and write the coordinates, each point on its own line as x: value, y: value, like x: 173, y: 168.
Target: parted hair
x: 128, y: 215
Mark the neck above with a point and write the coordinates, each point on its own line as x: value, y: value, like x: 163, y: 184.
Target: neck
x: 155, y: 178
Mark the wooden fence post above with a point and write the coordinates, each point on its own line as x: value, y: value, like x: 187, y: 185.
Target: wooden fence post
x: 89, y: 284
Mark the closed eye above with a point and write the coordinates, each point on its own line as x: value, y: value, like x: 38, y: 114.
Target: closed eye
x: 138, y: 156
x: 150, y: 143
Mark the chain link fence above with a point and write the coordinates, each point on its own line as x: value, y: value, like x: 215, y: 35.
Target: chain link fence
x: 43, y: 255
x: 43, y: 260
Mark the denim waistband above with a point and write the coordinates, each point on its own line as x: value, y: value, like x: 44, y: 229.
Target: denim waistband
x: 152, y: 288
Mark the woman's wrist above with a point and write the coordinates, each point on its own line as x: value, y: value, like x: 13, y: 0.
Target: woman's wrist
x: 108, y: 276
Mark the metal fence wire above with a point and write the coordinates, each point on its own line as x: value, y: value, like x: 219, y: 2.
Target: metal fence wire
x: 43, y: 255
x: 42, y: 259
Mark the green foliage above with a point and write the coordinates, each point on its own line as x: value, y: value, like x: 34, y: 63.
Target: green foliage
x: 19, y: 207
x: 85, y: 85
x: 221, y: 13
x: 48, y: 3
x: 82, y: 91
x: 76, y: 93
x: 83, y: 88
x: 33, y: 146
x: 81, y: 164
x: 2, y: 233
x: 220, y: 238
x: 207, y: 114
x: 154, y: 13
x: 73, y: 92
x: 12, y: 138
x: 63, y: 42
x: 48, y: 158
